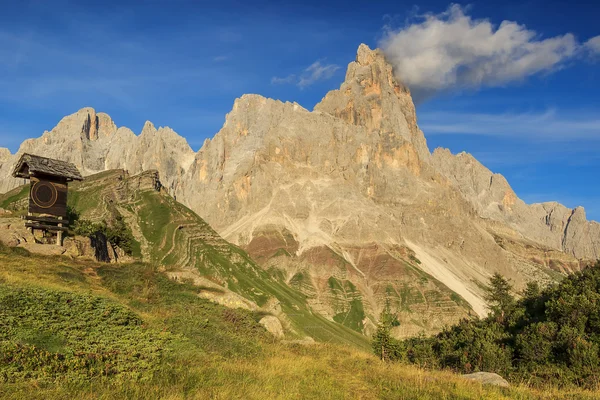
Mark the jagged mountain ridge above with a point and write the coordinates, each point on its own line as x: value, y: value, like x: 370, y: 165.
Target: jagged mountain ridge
x: 349, y: 191
x: 94, y: 144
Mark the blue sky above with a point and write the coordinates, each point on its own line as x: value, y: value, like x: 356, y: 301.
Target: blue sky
x: 530, y: 111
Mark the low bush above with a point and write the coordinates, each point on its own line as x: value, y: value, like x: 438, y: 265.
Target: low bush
x: 549, y: 336
x: 50, y: 335
x: 118, y: 233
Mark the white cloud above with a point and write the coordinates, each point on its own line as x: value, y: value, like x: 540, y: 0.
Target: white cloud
x: 593, y: 45
x: 314, y: 73
x: 453, y: 50
x: 543, y: 126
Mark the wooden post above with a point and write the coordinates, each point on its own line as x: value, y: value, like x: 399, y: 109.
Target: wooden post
x: 59, y: 234
x: 30, y: 229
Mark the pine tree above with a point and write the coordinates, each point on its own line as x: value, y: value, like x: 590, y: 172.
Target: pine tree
x: 532, y: 290
x: 382, y: 342
x: 498, y: 295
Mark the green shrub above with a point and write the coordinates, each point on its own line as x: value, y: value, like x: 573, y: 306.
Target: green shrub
x: 118, y: 233
x: 549, y: 336
x: 51, y: 335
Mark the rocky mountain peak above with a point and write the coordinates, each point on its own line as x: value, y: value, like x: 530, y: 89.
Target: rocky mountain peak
x: 92, y: 141
x: 370, y: 96
x: 373, y: 63
x: 91, y: 125
x: 365, y: 56
x: 347, y: 192
x: 148, y: 128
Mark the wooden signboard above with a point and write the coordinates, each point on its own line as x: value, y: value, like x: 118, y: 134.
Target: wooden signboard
x: 48, y: 197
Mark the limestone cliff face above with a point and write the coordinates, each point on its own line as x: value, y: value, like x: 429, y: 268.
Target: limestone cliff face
x: 4, y: 154
x: 346, y: 201
x: 550, y: 224
x: 93, y: 143
x: 371, y: 97
x: 5, y: 157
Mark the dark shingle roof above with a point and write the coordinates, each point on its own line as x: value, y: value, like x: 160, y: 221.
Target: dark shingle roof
x: 31, y: 164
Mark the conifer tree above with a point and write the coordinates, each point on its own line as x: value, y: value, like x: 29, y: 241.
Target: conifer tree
x: 498, y: 295
x: 382, y: 342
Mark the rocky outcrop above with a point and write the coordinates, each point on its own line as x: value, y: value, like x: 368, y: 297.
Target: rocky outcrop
x: 346, y: 201
x: 4, y: 155
x: 13, y: 233
x: 332, y: 196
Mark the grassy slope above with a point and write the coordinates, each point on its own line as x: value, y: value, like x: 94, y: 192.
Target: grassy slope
x: 185, y: 347
x: 10, y: 198
x: 171, y: 235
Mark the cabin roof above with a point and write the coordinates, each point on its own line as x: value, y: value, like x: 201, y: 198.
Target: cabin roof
x: 30, y: 164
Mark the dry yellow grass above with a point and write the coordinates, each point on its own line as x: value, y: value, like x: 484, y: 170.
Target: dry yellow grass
x: 296, y: 372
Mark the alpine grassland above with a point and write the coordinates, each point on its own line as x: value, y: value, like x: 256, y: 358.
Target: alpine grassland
x: 86, y: 330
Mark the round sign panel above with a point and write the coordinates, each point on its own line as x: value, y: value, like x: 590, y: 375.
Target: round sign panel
x: 44, y: 194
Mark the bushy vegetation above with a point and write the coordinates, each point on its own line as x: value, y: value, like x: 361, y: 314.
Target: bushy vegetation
x: 50, y: 335
x: 549, y: 336
x: 70, y: 324
x: 117, y: 233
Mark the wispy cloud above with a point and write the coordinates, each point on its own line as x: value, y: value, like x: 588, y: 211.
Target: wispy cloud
x: 281, y: 81
x: 548, y: 126
x: 317, y: 72
x: 312, y: 74
x: 452, y: 50
x: 221, y: 58
x: 535, y: 155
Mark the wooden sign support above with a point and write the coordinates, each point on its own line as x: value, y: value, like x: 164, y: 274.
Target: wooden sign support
x: 47, y: 193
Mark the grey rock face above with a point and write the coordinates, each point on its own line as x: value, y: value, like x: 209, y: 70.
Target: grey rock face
x: 348, y: 191
x: 5, y: 159
x: 550, y: 224
x: 4, y: 154
x: 371, y: 97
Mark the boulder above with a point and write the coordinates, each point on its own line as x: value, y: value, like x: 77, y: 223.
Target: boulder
x: 273, y: 325
x: 487, y: 378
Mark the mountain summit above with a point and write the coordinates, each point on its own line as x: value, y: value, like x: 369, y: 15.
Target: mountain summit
x: 345, y: 201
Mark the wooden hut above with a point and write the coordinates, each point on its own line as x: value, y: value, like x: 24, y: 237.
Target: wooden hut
x: 48, y: 189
